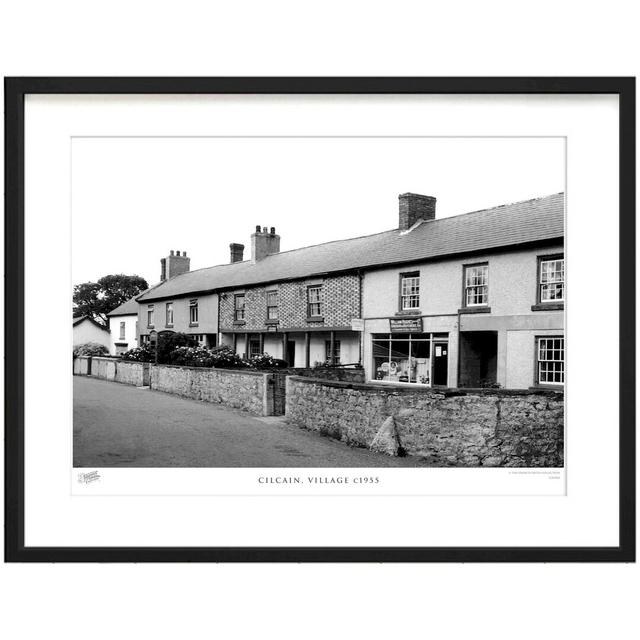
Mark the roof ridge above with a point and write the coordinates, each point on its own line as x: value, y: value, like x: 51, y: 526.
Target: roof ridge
x: 498, y: 206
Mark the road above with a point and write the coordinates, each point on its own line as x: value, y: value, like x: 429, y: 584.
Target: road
x: 115, y: 425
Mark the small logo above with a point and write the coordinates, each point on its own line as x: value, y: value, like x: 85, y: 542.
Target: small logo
x: 90, y: 476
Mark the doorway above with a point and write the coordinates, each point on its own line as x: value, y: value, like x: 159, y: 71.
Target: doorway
x: 440, y: 363
x: 291, y: 353
x: 478, y: 358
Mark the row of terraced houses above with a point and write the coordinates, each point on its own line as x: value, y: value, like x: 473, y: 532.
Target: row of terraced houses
x: 471, y: 300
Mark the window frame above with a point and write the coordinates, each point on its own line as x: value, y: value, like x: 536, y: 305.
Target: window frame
x: 168, y: 309
x: 539, y: 300
x: 193, y: 306
x: 474, y: 265
x: 315, y: 287
x: 237, y: 310
x: 401, y: 296
x: 151, y: 310
x: 537, y: 361
x: 123, y: 330
x: 270, y: 307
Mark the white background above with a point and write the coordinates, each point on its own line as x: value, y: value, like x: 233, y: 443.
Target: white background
x: 490, y: 38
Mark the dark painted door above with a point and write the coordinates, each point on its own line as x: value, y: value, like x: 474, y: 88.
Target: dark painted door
x: 291, y: 353
x: 440, y: 363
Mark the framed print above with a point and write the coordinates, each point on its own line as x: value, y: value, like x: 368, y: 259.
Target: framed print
x: 320, y: 319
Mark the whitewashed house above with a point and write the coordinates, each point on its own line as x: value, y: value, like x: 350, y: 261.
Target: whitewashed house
x: 123, y: 327
x: 86, y: 329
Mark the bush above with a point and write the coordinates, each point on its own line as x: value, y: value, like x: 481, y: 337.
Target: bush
x: 145, y: 353
x: 90, y: 349
x: 169, y: 342
x: 225, y: 357
x: 265, y: 361
x: 192, y: 357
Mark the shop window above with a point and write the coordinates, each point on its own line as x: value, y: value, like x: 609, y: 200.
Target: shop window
x: 402, y: 359
x: 193, y: 312
x: 550, y: 358
x: 476, y: 285
x: 551, y: 279
x: 272, y: 305
x: 239, y: 307
x: 409, y: 291
x: 332, y: 358
x: 314, y: 305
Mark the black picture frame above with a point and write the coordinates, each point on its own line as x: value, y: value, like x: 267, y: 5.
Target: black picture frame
x: 15, y: 91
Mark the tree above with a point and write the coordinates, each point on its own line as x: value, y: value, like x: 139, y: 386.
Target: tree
x: 97, y: 299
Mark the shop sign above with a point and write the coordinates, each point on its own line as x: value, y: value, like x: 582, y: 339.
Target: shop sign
x: 405, y: 325
x: 357, y: 324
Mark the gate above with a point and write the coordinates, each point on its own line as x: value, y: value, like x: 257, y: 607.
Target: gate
x: 279, y: 393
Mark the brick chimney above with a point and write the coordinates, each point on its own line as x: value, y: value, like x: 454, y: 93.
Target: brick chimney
x: 174, y: 265
x: 414, y: 207
x: 263, y: 243
x: 237, y: 252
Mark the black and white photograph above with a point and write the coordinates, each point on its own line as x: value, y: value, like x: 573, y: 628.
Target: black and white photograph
x: 325, y: 302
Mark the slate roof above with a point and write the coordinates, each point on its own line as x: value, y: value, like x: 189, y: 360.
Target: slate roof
x: 514, y: 224
x: 128, y: 308
x: 77, y: 321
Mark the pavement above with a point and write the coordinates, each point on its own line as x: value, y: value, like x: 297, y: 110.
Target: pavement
x: 116, y: 425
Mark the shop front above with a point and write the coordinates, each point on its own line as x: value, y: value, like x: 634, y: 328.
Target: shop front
x: 411, y: 351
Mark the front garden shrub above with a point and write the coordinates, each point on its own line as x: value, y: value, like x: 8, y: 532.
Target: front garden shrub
x: 265, y: 361
x: 90, y: 349
x: 169, y: 342
x: 145, y: 353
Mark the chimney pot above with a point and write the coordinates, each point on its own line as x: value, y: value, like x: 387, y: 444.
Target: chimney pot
x: 257, y: 228
x: 171, y: 266
x: 264, y: 243
x: 413, y: 207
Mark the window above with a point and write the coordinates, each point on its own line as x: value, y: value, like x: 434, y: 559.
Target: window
x: 150, y: 315
x: 198, y: 337
x: 122, y: 330
x: 476, y: 285
x: 551, y: 284
x: 551, y: 360
x: 193, y: 312
x: 239, y: 307
x: 314, y: 306
x: 405, y: 358
x: 329, y: 357
x: 272, y: 305
x: 255, y: 346
x: 169, y: 314
x: 409, y: 291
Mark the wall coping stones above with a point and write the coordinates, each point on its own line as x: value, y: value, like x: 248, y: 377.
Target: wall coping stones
x: 243, y: 372
x: 439, y: 391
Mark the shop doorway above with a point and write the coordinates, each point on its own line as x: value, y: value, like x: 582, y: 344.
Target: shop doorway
x: 440, y: 363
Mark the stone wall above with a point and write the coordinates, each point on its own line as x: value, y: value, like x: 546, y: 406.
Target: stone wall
x: 82, y: 366
x: 247, y: 390
x: 104, y: 368
x: 448, y: 428
x: 134, y: 373
x: 112, y: 369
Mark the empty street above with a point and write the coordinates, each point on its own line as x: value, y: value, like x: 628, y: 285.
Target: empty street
x: 117, y: 425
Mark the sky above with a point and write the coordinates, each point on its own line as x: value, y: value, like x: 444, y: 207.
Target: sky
x: 135, y: 199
